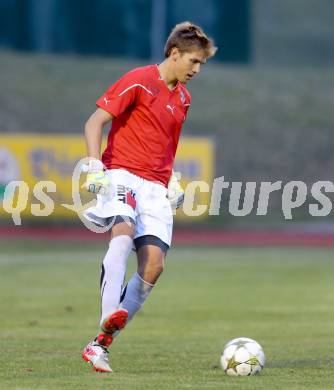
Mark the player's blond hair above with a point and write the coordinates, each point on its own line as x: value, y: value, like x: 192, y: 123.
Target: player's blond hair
x: 186, y: 37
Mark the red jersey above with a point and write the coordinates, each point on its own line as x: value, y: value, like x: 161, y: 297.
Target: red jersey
x: 148, y: 117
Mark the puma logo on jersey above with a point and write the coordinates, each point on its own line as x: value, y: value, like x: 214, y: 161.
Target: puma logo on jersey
x: 171, y: 108
x: 107, y: 101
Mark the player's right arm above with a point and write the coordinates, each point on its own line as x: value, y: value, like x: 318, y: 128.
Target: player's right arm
x: 96, y: 181
x: 93, y: 132
x: 111, y: 104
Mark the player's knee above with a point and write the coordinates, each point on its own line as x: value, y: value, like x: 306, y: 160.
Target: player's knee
x: 151, y: 270
x: 158, y: 268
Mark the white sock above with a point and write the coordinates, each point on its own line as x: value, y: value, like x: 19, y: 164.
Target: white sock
x: 136, y: 293
x: 113, y: 273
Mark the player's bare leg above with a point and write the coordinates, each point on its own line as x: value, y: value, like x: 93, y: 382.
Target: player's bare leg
x: 151, y: 260
x: 150, y: 266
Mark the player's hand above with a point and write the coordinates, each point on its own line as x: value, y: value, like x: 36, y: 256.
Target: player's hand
x: 96, y: 181
x: 175, y: 192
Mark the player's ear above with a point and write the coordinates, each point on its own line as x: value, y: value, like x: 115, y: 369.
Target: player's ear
x: 175, y: 53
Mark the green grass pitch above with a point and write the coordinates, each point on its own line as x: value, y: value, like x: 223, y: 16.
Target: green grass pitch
x: 283, y: 298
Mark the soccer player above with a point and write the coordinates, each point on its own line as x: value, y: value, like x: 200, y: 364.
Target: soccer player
x: 135, y: 185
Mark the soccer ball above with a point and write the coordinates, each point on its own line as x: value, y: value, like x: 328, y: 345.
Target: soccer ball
x: 242, y: 356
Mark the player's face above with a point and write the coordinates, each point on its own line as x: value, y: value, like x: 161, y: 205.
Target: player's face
x: 188, y: 65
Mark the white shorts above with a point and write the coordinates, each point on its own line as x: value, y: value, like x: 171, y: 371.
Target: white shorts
x: 143, y: 201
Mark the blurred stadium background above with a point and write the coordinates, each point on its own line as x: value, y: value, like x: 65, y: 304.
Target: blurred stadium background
x: 265, y: 102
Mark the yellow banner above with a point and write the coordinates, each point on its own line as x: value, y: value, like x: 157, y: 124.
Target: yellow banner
x: 195, y: 160
x: 34, y: 158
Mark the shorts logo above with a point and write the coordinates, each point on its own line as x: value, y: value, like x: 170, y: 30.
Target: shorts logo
x: 126, y: 195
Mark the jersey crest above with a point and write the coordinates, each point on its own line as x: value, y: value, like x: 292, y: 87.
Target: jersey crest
x: 182, y: 97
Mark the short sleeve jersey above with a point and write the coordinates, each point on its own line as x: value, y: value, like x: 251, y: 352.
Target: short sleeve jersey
x: 148, y: 117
